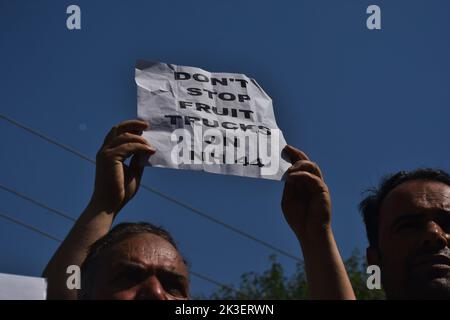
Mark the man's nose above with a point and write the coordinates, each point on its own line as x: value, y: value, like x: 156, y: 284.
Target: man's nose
x: 434, y: 237
x: 151, y: 289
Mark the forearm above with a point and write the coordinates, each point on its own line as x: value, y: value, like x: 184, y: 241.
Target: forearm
x: 93, y: 223
x: 325, y: 271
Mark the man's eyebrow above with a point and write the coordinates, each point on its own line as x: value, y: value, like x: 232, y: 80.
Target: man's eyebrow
x: 418, y: 216
x: 443, y: 213
x: 407, y: 217
x: 171, y: 273
x: 142, y: 267
x: 129, y: 265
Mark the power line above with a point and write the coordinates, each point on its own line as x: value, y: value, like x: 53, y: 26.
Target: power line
x: 210, y: 280
x: 40, y: 204
x: 46, y: 138
x: 23, y: 224
x: 154, y: 191
x: 225, y: 225
x: 49, y: 236
x: 70, y: 218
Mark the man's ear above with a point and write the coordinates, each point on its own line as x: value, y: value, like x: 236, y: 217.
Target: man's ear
x: 372, y: 256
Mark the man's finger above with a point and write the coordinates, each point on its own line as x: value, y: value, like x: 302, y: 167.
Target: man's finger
x: 132, y: 126
x: 126, y: 138
x: 295, y: 154
x: 307, y: 180
x: 308, y: 166
x: 136, y: 167
x: 127, y: 149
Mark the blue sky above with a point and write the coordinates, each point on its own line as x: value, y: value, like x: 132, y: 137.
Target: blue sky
x: 360, y: 103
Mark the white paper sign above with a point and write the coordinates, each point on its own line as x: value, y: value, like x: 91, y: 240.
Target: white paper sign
x: 13, y: 287
x: 215, y: 122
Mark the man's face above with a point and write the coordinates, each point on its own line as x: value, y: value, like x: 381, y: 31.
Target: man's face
x: 143, y: 266
x: 414, y: 254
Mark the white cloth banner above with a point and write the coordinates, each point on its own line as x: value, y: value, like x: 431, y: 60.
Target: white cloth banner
x: 214, y: 122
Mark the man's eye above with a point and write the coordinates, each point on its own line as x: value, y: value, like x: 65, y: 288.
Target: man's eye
x: 129, y: 277
x: 174, y: 288
x: 134, y: 277
x: 445, y: 225
x: 409, y: 225
x: 175, y: 292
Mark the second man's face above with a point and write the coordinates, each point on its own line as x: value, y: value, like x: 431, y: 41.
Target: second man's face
x: 414, y: 240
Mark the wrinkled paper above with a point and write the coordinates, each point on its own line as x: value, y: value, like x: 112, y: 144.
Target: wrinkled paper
x: 215, y: 122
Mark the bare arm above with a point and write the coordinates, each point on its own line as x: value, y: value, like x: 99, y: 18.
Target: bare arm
x: 115, y: 184
x: 306, y: 206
